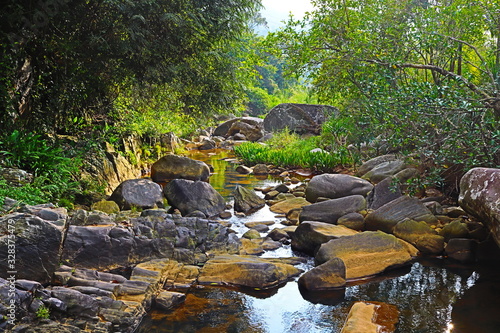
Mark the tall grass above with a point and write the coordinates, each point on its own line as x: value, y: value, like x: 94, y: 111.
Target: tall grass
x: 289, y: 150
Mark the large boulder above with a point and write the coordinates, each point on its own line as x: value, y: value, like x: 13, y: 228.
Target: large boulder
x: 480, y: 197
x: 138, y: 193
x: 179, y: 167
x: 372, y: 163
x: 309, y: 235
x: 334, y: 186
x: 189, y: 196
x: 330, y: 275
x: 390, y: 214
x: 185, y: 239
x: 250, y: 132
x: 420, y: 235
x: 299, y: 118
x: 384, y: 170
x: 247, y: 271
x: 330, y: 211
x: 365, y: 254
x: 29, y: 246
x: 224, y: 128
x: 246, y: 200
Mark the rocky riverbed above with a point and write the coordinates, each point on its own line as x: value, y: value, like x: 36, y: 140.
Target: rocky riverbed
x: 291, y: 254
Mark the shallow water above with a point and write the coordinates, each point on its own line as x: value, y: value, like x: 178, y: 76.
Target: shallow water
x: 432, y: 295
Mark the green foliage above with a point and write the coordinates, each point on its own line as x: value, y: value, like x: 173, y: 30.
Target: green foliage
x: 55, y: 173
x: 43, y: 312
x: 289, y: 150
x: 421, y: 75
x: 63, y: 60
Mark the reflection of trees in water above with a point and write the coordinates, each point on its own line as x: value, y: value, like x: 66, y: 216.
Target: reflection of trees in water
x: 425, y: 297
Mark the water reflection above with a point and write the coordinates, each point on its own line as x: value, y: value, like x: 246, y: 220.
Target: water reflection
x: 428, y: 297
x: 432, y: 295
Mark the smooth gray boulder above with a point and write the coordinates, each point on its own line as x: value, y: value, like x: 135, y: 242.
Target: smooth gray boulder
x: 384, y: 170
x: 224, y: 128
x: 138, y: 193
x: 390, y: 214
x: 299, y: 118
x: 188, y: 196
x: 480, y: 197
x: 179, y: 167
x: 336, y: 186
x: 372, y: 163
x: 330, y: 211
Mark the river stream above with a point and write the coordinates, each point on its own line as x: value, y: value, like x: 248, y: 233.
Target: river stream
x: 433, y: 295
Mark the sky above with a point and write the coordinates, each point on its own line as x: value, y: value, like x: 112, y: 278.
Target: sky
x: 276, y: 11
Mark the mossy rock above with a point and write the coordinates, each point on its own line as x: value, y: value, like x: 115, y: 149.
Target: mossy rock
x: 108, y: 207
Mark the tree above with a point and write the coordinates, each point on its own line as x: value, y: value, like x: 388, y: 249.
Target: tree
x: 424, y: 74
x: 64, y: 60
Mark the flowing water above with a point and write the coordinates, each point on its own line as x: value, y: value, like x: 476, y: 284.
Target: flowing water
x: 432, y: 295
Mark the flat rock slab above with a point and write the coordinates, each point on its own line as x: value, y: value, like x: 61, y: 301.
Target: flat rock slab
x: 309, y: 235
x: 366, y: 253
x: 371, y: 317
x: 246, y: 271
x: 283, y: 207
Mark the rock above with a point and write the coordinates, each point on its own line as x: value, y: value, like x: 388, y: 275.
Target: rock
x: 406, y: 174
x: 278, y: 234
x: 76, y: 302
x: 207, y: 144
x: 336, y: 186
x: 390, y: 214
x: 371, y: 317
x: 251, y: 225
x: 285, y: 206
x: 223, y: 129
x: 36, y: 244
x: 462, y: 249
x: 480, y: 197
x: 384, y: 170
x: 16, y: 177
x: 111, y: 169
x: 225, y: 215
x: 330, y: 275
x: 179, y: 167
x: 185, y: 239
x: 434, y: 206
x: 354, y: 221
x: 243, y: 169
x: 455, y: 229
x: 330, y: 211
x: 166, y: 300
x: 251, y: 234
x: 188, y: 196
x: 420, y: 235
x: 261, y: 227
x: 108, y: 207
x: 372, y: 163
x: 260, y: 169
x: 384, y: 192
x: 365, y: 254
x: 246, y: 271
x: 246, y: 200
x: 138, y: 193
x: 271, y: 195
x: 454, y: 212
x: 251, y: 132
x: 299, y: 118
x: 309, y: 235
